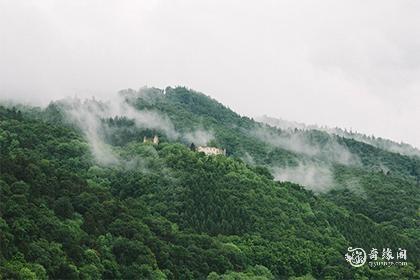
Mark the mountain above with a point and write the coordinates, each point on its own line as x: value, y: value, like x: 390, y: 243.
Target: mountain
x: 83, y: 197
x: 385, y: 144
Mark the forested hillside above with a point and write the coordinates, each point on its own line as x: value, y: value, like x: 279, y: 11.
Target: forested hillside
x: 385, y: 144
x: 82, y: 197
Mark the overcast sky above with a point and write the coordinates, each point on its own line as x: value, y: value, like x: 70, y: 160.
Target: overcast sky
x: 352, y: 64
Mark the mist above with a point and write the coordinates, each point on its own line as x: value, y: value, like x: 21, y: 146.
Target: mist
x: 318, y: 178
x: 300, y: 142
x: 348, y: 64
x: 89, y: 114
x: 199, y: 137
x: 87, y: 117
x: 386, y: 144
x: 314, y: 170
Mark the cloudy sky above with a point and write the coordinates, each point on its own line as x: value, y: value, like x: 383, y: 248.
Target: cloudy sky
x: 352, y: 64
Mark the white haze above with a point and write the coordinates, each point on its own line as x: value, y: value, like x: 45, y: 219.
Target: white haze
x: 350, y: 64
x: 401, y: 148
x: 88, y: 115
x: 315, y: 177
x: 318, y: 177
x: 298, y: 142
x: 316, y: 171
x: 199, y: 137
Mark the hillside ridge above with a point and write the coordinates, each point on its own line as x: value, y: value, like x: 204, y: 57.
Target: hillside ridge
x: 83, y: 197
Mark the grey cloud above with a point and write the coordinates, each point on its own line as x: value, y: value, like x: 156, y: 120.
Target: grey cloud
x: 349, y: 64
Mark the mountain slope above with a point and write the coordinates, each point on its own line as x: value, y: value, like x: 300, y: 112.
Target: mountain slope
x: 384, y: 144
x: 166, y: 212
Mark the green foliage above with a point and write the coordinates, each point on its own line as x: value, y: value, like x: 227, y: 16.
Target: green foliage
x: 172, y: 213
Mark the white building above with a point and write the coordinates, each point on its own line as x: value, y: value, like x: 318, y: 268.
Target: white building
x: 211, y: 150
x: 154, y: 140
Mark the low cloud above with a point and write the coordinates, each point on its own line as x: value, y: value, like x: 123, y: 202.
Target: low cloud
x: 88, y: 116
x: 386, y: 144
x: 319, y: 149
x: 302, y: 142
x: 198, y: 137
x: 317, y: 178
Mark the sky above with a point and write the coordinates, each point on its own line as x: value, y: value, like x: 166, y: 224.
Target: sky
x: 350, y: 64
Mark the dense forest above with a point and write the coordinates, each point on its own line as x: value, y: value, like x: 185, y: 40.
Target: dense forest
x: 83, y: 197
